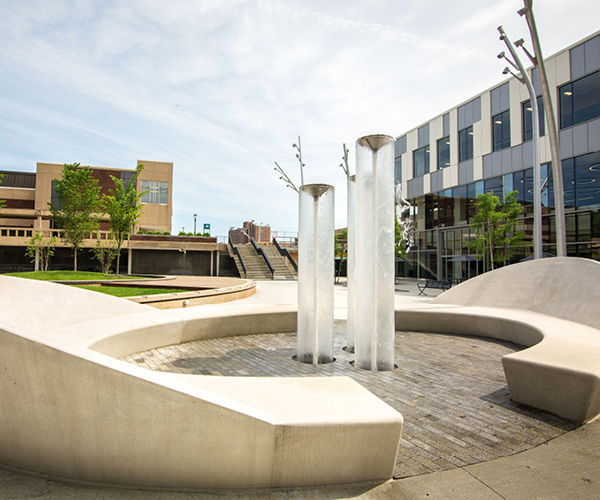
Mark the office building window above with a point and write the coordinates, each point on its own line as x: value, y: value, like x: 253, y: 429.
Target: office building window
x: 495, y: 187
x: 443, y: 152
x: 156, y: 192
x: 580, y: 100
x: 465, y: 144
x: 501, y: 124
x: 421, y: 161
x: 528, y: 122
x: 581, y: 181
x: 398, y: 170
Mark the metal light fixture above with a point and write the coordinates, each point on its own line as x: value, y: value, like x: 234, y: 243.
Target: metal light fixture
x: 523, y: 77
x: 538, y: 60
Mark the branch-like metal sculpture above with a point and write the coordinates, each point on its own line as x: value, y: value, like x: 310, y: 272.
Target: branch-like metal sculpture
x: 523, y: 77
x: 285, y: 178
x: 407, y: 225
x: 538, y: 60
x: 298, y: 147
x: 345, y: 164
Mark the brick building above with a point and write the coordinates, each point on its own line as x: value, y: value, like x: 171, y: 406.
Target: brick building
x: 241, y: 236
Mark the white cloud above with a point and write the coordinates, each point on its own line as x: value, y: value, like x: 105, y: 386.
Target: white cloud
x: 222, y: 89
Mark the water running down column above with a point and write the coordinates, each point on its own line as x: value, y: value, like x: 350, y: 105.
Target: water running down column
x: 351, y: 263
x: 375, y: 196
x: 316, y: 274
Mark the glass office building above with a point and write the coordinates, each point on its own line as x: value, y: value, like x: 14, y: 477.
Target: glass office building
x: 485, y: 145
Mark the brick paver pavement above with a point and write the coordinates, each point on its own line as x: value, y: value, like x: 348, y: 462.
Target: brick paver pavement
x: 450, y: 390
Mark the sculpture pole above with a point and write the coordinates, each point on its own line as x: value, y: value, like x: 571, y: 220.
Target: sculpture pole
x: 375, y: 195
x: 316, y: 267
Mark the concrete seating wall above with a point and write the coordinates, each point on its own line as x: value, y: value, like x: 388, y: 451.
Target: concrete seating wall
x: 71, y: 411
x: 548, y: 305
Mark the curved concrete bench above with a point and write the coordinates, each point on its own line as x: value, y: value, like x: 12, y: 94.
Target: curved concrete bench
x: 70, y: 410
x: 550, y: 306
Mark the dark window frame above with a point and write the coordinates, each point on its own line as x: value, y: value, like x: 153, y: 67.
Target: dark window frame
x: 397, y: 169
x: 444, y: 142
x: 571, y: 112
x: 425, y: 160
x: 501, y: 130
x: 465, y: 144
x: 527, y: 121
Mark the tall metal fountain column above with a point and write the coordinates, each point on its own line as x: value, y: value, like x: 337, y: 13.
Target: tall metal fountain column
x: 316, y: 274
x: 375, y: 196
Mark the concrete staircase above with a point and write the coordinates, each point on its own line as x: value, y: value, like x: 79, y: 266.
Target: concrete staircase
x: 256, y: 267
x: 282, y: 268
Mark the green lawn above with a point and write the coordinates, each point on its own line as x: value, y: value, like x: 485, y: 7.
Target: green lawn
x: 67, y: 276
x: 117, y: 291
x: 127, y: 291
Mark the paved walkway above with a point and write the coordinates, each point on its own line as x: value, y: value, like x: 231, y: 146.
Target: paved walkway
x: 453, y: 396
x: 450, y: 390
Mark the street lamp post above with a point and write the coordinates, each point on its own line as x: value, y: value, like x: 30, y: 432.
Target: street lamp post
x: 537, y: 183
x: 538, y: 60
x: 195, y: 215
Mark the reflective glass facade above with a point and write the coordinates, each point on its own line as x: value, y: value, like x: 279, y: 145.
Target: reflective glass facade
x: 501, y: 129
x: 421, y: 161
x: 398, y: 170
x: 580, y: 100
x: 526, y: 113
x: 478, y: 155
x: 465, y: 144
x: 443, y: 148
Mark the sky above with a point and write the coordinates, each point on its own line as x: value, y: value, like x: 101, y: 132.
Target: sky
x: 223, y: 88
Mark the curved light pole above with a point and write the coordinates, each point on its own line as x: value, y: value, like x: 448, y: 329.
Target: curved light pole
x: 537, y: 189
x: 538, y: 60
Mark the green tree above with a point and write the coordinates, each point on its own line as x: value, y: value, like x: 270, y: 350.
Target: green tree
x: 105, y: 252
x: 41, y: 249
x: 400, y: 245
x: 510, y: 238
x: 341, y: 250
x: 78, y: 209
x: 123, y: 209
x: 495, y: 225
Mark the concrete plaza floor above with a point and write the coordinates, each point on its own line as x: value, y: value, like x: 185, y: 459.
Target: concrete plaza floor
x: 463, y: 436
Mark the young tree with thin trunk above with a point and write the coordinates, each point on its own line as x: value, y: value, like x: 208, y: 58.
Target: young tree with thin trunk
x: 510, y: 239
x: 39, y: 249
x: 78, y: 209
x: 122, y: 204
x: 105, y: 252
x: 495, y: 225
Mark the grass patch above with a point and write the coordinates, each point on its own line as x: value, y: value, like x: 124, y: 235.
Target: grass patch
x: 127, y: 291
x: 68, y: 276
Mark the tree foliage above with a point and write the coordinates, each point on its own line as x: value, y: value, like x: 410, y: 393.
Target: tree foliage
x: 341, y: 251
x: 495, y: 223
x: 401, y: 245
x: 123, y: 209
x: 78, y: 209
x: 105, y: 252
x: 41, y: 249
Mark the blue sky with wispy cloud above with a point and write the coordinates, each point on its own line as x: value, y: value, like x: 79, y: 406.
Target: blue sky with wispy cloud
x: 223, y: 88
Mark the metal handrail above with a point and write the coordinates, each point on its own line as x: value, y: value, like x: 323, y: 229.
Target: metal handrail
x: 261, y: 251
x: 286, y: 253
x: 239, y: 256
